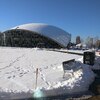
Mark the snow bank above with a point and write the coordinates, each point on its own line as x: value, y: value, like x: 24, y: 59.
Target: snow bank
x: 96, y: 65
x: 75, y: 81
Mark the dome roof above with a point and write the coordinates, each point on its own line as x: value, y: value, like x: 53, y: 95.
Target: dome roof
x: 55, y: 33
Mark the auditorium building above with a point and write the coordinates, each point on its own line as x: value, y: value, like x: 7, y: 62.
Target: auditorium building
x: 35, y: 35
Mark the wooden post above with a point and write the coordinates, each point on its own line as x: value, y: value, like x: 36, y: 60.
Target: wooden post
x: 36, y: 77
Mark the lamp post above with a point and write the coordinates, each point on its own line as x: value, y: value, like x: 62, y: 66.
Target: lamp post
x: 4, y: 38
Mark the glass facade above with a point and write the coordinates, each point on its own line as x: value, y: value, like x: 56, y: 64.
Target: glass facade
x: 23, y: 38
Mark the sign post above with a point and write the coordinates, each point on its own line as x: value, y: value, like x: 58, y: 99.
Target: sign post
x: 36, y: 77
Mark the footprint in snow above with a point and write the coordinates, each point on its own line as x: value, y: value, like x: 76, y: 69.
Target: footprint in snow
x: 40, y: 69
x: 43, y: 78
x: 9, y: 77
x: 13, y: 76
x: 17, y: 67
x: 20, y: 75
x: 7, y: 73
x: 51, y: 65
x: 18, y: 70
x: 46, y: 67
x: 25, y: 73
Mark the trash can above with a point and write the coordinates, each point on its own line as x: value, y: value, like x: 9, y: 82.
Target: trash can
x: 89, y: 58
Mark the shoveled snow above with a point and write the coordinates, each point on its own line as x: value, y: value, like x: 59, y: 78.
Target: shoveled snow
x: 75, y: 81
x: 18, y: 73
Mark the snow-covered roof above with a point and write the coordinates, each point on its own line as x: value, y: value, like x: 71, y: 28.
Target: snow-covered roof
x: 55, y: 33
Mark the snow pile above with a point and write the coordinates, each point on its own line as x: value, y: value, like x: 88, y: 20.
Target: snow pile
x: 76, y: 80
x: 96, y: 65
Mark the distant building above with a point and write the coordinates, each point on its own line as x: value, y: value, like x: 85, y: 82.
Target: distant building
x: 35, y: 35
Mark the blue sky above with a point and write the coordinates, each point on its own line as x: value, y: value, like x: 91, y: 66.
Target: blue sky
x: 78, y: 17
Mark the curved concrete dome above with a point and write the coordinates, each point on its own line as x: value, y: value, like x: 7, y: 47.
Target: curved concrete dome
x: 55, y: 33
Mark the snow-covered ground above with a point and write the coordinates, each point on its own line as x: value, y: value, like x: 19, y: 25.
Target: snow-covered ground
x: 18, y: 73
